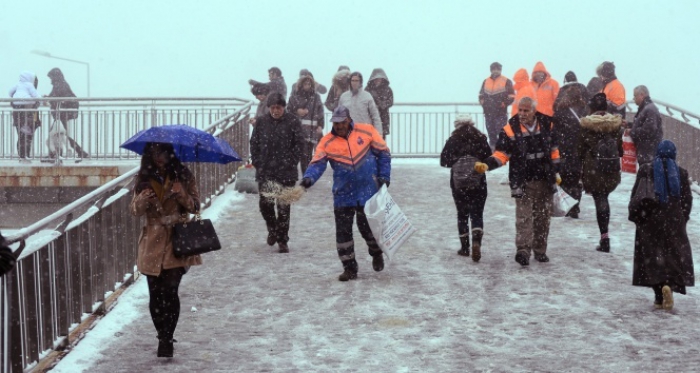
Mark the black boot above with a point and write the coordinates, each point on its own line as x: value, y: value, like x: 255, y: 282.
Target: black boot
x: 477, y: 234
x: 271, y: 235
x: 165, y: 347
x: 378, y: 262
x: 604, y: 245
x: 464, y: 240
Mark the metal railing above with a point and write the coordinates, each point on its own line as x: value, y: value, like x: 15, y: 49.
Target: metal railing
x: 67, y: 272
x: 102, y: 124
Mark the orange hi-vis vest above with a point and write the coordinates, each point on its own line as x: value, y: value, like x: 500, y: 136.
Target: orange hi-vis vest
x: 495, y: 86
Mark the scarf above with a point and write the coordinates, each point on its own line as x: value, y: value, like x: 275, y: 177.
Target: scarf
x: 667, y: 179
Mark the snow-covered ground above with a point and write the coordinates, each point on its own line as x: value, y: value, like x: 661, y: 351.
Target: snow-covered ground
x: 250, y: 309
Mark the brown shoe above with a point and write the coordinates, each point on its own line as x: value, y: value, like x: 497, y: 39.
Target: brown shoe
x: 347, y: 275
x: 283, y: 247
x: 668, y: 297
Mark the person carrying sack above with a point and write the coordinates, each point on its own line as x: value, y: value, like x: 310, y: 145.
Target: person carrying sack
x: 64, y: 111
x: 466, y: 146
x: 600, y: 149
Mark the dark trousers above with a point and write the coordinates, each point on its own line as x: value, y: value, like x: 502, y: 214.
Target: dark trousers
x: 307, y: 152
x: 602, y: 211
x: 343, y: 235
x: 164, y: 301
x: 276, y: 222
x: 494, y: 124
x: 571, y: 184
x: 470, y: 206
x: 24, y: 140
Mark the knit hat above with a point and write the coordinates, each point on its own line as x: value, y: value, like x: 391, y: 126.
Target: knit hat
x: 607, y: 70
x: 463, y: 119
x: 599, y: 102
x: 496, y: 65
x: 570, y: 77
x: 276, y: 98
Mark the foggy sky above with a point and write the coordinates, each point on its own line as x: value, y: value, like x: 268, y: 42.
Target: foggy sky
x: 434, y: 51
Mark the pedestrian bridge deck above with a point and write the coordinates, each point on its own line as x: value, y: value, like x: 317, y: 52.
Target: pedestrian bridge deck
x: 250, y: 309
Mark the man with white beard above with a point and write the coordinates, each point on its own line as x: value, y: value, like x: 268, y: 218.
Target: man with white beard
x: 360, y: 103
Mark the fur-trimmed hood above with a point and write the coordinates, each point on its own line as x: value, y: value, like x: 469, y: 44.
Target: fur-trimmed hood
x: 601, y: 123
x: 341, y: 79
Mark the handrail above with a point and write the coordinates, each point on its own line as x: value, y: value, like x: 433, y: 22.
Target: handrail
x: 88, y: 99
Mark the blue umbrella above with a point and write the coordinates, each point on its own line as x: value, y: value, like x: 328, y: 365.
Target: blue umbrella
x: 190, y: 144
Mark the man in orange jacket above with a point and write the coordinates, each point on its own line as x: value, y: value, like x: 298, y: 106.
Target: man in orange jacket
x: 545, y: 88
x: 613, y: 89
x: 495, y: 95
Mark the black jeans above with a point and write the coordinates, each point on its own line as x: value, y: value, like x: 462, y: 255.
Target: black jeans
x: 24, y: 119
x: 494, y: 124
x: 470, y: 206
x: 343, y: 235
x: 276, y: 222
x: 164, y: 301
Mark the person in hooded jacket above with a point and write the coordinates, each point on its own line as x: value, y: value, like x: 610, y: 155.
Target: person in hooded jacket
x: 340, y: 85
x: 570, y: 105
x: 598, y: 180
x: 613, y: 89
x: 307, y: 105
x: 318, y: 87
x: 546, y: 89
x: 647, y: 130
x: 465, y: 143
x: 24, y: 116
x: 64, y: 111
x: 275, y: 150
x: 361, y: 164
x: 662, y: 254
x: 495, y: 95
x: 523, y: 88
x: 361, y: 104
x: 378, y: 87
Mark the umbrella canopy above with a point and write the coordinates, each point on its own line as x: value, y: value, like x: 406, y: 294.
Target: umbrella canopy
x: 190, y: 144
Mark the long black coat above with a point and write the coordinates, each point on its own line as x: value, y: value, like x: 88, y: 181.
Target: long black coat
x: 61, y: 88
x: 466, y: 140
x: 312, y: 102
x: 661, y: 248
x: 275, y: 148
x: 647, y: 131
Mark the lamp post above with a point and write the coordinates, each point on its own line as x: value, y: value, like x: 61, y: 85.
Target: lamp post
x: 49, y: 55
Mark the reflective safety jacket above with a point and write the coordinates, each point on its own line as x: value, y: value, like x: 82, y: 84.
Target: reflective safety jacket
x: 615, y: 93
x: 357, y: 162
x: 546, y: 92
x: 496, y: 94
x: 523, y: 88
x: 532, y: 155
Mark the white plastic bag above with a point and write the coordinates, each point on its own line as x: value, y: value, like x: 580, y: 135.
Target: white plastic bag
x: 388, y: 223
x: 562, y: 202
x: 57, y: 139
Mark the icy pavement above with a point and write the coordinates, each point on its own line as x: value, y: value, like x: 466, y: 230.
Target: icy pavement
x: 250, y: 309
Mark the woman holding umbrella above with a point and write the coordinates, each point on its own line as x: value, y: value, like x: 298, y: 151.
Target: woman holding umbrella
x: 165, y: 193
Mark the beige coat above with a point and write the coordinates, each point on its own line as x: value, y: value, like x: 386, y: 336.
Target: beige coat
x: 155, y: 242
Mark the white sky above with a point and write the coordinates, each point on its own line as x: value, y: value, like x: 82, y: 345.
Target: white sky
x: 431, y: 51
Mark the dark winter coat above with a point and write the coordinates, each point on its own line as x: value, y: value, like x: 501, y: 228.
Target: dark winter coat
x: 275, y: 148
x: 341, y: 84
x: 312, y: 102
x: 662, y: 250
x: 275, y: 84
x: 568, y: 130
x: 647, y: 131
x: 383, y: 97
x: 62, y: 89
x: 465, y: 140
x: 594, y: 128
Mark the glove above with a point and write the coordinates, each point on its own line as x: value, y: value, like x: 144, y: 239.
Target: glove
x: 481, y: 167
x: 7, y: 260
x: 306, y: 183
x: 383, y: 181
x: 558, y: 179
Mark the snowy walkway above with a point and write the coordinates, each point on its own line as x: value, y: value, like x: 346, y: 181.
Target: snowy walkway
x: 428, y: 311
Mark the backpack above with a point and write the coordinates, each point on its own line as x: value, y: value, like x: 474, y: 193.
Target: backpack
x: 607, y: 156
x: 463, y: 174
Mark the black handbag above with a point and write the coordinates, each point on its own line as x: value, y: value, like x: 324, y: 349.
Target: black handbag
x: 195, y: 237
x: 643, y: 201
